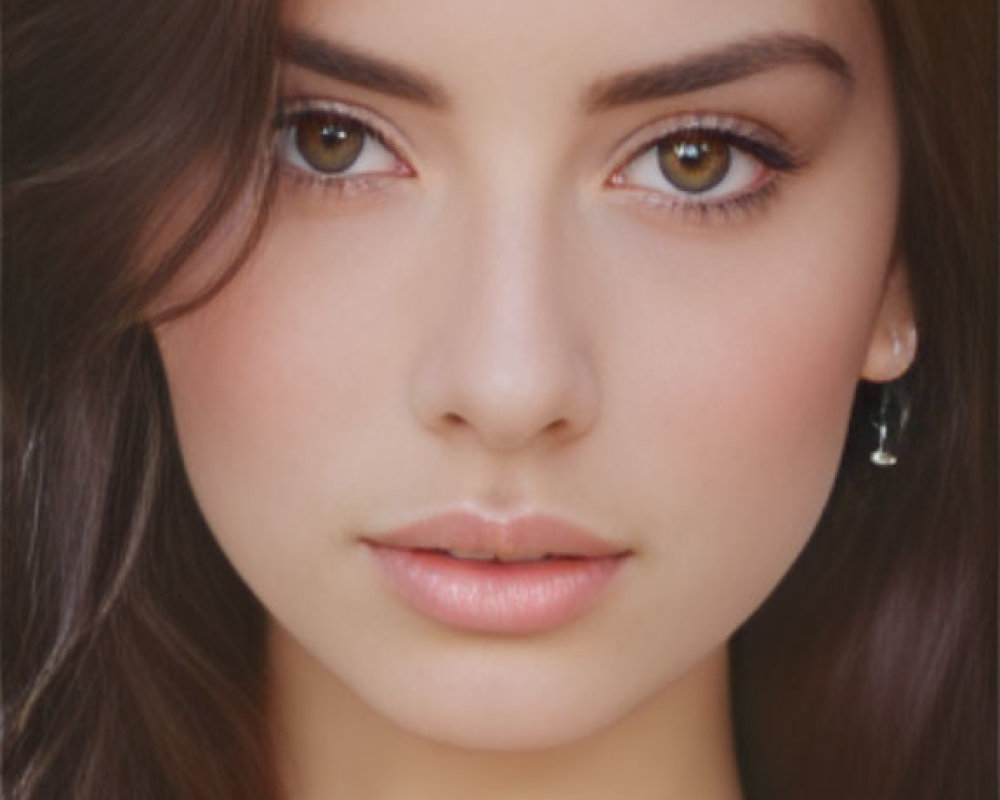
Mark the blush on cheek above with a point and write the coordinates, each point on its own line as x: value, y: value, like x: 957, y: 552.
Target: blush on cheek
x: 795, y: 399
x: 764, y: 432
x: 791, y: 424
x: 763, y: 484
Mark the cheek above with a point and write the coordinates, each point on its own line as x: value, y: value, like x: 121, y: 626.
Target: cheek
x: 724, y: 465
x: 735, y: 391
x: 272, y: 385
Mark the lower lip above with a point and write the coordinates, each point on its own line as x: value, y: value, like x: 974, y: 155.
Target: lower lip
x: 519, y: 597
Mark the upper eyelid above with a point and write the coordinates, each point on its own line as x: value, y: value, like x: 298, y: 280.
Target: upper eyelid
x: 623, y: 152
x: 381, y: 127
x: 629, y: 147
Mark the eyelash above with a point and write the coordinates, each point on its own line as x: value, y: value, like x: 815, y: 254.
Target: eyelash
x: 294, y: 113
x: 745, y: 139
x: 741, y: 138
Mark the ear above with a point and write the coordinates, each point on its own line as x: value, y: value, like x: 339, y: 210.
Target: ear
x: 893, y: 343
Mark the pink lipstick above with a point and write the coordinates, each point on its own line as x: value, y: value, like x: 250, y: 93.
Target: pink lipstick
x: 523, y: 575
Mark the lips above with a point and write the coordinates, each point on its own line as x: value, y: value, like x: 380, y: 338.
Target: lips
x: 520, y: 538
x: 521, y: 575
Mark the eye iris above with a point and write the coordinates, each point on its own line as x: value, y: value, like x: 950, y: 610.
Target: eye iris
x: 694, y: 163
x: 329, y: 144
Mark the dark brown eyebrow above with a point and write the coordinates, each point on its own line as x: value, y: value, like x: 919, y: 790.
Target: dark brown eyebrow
x: 700, y: 71
x: 348, y: 65
x: 704, y: 70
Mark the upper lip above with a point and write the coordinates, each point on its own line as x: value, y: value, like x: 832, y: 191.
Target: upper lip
x: 524, y: 536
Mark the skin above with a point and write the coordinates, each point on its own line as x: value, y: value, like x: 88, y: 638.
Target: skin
x: 500, y: 326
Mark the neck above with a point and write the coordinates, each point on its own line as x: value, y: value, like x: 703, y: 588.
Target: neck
x: 328, y: 743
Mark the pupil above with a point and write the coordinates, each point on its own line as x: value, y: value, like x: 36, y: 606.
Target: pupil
x: 332, y: 134
x: 694, y: 164
x: 329, y: 145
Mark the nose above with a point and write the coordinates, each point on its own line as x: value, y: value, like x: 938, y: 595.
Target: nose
x: 507, y: 361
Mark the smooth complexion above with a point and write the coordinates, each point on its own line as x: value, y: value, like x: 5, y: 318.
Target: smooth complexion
x: 502, y: 307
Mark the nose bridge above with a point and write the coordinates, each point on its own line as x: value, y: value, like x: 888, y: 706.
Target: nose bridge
x: 514, y: 265
x: 507, y: 360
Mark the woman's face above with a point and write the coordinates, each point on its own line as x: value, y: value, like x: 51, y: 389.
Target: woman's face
x: 618, y: 265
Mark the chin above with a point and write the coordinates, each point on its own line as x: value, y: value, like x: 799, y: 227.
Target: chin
x: 517, y: 727
x: 509, y: 705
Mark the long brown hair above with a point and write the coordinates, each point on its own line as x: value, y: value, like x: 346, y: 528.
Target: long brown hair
x: 133, y: 656
x: 871, y: 670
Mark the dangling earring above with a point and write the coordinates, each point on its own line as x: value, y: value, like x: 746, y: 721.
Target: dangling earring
x: 881, y: 457
x: 891, y: 404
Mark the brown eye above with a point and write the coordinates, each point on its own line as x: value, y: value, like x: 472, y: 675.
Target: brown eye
x: 329, y: 143
x: 694, y: 163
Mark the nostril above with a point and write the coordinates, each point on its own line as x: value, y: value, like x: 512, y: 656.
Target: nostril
x: 557, y: 426
x: 505, y: 402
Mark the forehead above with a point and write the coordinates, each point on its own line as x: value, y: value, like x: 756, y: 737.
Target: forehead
x: 476, y: 47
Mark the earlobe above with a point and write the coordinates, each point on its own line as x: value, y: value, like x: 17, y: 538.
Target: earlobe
x: 893, y: 343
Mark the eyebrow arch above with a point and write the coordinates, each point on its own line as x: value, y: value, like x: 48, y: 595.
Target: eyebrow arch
x: 726, y: 64
x: 693, y: 73
x: 346, y: 64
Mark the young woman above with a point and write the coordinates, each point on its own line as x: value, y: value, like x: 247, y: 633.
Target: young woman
x: 523, y: 400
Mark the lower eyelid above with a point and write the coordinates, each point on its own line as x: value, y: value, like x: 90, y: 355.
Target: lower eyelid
x: 342, y: 186
x: 732, y: 209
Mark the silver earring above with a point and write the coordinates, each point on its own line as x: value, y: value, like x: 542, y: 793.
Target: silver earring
x: 889, y: 421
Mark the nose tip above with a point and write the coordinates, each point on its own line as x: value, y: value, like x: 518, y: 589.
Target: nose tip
x: 508, y: 411
x: 509, y: 393
x: 505, y: 358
